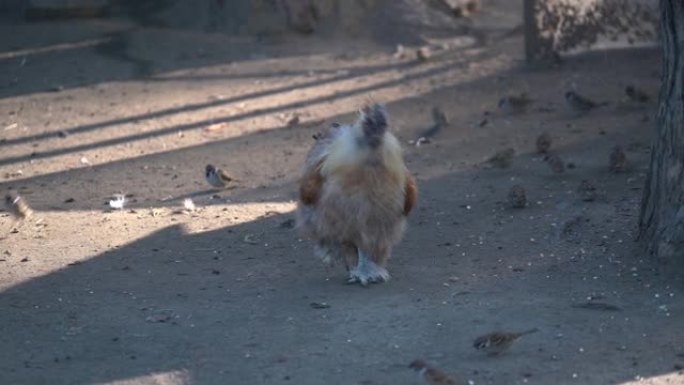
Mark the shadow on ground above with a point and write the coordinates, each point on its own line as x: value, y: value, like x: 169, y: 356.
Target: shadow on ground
x: 209, y: 307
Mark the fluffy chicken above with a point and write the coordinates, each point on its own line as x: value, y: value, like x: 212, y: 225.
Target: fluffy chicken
x: 355, y: 195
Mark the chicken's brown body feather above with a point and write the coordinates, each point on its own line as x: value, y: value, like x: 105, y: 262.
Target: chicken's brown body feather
x: 355, y: 193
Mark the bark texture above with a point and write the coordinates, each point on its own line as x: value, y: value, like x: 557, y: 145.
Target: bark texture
x: 661, y: 222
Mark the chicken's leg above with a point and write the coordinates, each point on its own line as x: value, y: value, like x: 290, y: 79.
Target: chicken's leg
x: 367, y: 271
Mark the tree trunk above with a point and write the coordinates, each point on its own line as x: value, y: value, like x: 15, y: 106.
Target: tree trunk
x: 661, y: 222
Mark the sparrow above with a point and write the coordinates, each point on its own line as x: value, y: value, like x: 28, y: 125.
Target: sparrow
x: 556, y: 163
x: 439, y: 118
x: 217, y: 177
x: 517, y: 197
x: 17, y: 206
x: 432, y: 375
x: 579, y: 103
x: 514, y: 103
x: 618, y: 160
x: 470, y: 7
x: 636, y: 95
x: 502, y: 158
x: 423, y: 53
x: 586, y: 191
x: 499, y: 341
x: 543, y: 143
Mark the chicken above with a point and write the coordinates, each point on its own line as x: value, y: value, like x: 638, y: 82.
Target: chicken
x: 355, y: 195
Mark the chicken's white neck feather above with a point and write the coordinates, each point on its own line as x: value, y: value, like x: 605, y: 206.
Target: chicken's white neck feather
x: 346, y: 152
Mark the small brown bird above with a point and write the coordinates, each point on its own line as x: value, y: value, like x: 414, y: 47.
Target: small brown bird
x: 423, y: 53
x: 432, y: 375
x: 502, y: 158
x: 470, y: 7
x: 618, y: 159
x: 555, y: 163
x: 578, y: 103
x: 217, y: 177
x: 439, y: 118
x: 636, y: 95
x: 457, y: 8
x: 17, y: 206
x: 499, y: 341
x: 543, y: 143
x: 586, y: 191
x: 514, y: 103
x: 517, y: 197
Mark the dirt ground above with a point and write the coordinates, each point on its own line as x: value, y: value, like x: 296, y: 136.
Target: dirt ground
x: 227, y: 293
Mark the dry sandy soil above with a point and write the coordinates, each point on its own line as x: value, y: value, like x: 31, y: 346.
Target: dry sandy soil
x: 153, y: 294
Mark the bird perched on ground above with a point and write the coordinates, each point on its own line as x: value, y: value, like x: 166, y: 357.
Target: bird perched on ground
x: 423, y: 53
x: 543, y: 143
x: 579, y: 103
x: 636, y: 95
x: 432, y: 375
x: 502, y: 158
x: 517, y: 197
x: 555, y: 163
x: 587, y: 191
x: 499, y: 341
x: 17, y: 206
x: 438, y: 117
x: 618, y: 159
x: 355, y: 195
x: 514, y: 103
x: 217, y: 177
x: 457, y: 8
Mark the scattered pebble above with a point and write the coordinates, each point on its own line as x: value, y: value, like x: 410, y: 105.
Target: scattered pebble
x: 319, y: 305
x: 249, y: 238
x: 189, y: 205
x: 119, y: 202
